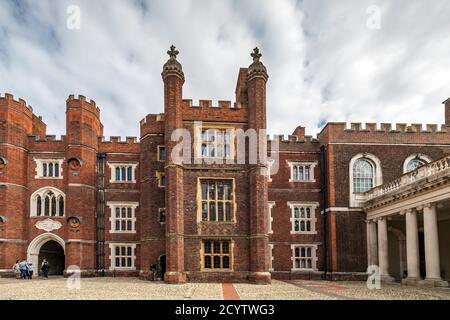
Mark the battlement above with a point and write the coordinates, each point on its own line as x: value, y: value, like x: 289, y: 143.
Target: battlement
x: 152, y: 124
x: 384, y: 132
x: 91, y: 104
x: 118, y: 139
x: 388, y: 127
x: 221, y: 104
x: 291, y: 139
x: 8, y: 99
x: 47, y: 138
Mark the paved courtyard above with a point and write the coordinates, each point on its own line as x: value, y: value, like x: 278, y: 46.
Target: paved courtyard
x: 135, y: 289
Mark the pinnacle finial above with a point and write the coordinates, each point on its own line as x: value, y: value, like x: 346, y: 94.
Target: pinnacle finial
x: 173, y: 52
x: 256, y: 55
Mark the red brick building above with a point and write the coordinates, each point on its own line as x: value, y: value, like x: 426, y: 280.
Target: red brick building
x: 122, y: 207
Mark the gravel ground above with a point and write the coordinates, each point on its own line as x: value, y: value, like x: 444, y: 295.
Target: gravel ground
x: 135, y: 289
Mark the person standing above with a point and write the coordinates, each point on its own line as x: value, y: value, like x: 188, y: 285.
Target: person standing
x: 45, y: 267
x: 23, y: 265
x: 16, y: 269
x: 30, y: 271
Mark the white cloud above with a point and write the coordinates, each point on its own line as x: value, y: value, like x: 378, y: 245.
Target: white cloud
x: 323, y: 61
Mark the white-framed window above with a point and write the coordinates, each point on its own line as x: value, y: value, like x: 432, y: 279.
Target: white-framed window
x: 304, y: 257
x: 162, y: 215
x: 123, y: 216
x: 122, y: 256
x: 415, y: 161
x: 302, y: 171
x: 122, y: 172
x: 161, y: 179
x: 270, y: 205
x: 271, y: 257
x: 303, y: 217
x: 161, y: 154
x: 216, y: 143
x: 269, y: 169
x: 48, y: 168
x: 47, y: 202
x: 365, y: 173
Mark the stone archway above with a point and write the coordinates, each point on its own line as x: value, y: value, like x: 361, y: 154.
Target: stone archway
x: 35, y: 246
x: 397, y: 253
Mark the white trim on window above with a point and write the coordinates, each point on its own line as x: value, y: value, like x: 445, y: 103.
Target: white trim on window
x: 313, y: 256
x: 419, y: 156
x: 112, y: 255
x: 47, y: 161
x: 271, y: 257
x: 123, y: 166
x: 270, y: 205
x: 114, y: 205
x: 41, y: 195
x: 305, y: 166
x: 269, y: 169
x: 313, y: 220
x: 358, y: 199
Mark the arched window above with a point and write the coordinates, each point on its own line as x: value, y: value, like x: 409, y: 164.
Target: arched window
x: 414, y: 162
x: 47, y: 202
x: 363, y: 175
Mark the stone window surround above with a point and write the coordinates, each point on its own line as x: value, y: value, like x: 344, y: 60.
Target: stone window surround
x: 159, y: 175
x: 114, y: 165
x: 112, y: 255
x: 419, y: 156
x: 357, y: 199
x: 314, y: 257
x: 127, y: 204
x: 311, y: 164
x: 41, y: 192
x: 159, y: 215
x: 199, y: 200
x: 40, y: 171
x: 158, y: 152
x: 313, y: 206
x: 270, y: 204
x: 271, y: 257
x: 202, y: 255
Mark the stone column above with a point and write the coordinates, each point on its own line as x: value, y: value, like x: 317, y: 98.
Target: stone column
x: 432, y: 262
x: 383, y: 250
x: 412, y: 247
x: 372, y: 245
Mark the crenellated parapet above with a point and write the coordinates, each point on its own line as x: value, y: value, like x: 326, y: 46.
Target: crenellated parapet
x: 117, y: 144
x: 293, y: 143
x: 206, y: 110
x: 152, y: 124
x: 384, y: 133
x: 81, y: 102
x: 47, y: 143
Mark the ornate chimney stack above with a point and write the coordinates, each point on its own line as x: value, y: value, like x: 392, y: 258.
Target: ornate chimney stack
x: 173, y: 78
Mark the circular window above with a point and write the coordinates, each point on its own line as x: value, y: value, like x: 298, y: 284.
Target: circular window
x: 74, y: 163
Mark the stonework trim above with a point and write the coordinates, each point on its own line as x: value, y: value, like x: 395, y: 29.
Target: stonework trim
x: 114, y: 165
x: 300, y: 204
x: 311, y: 164
x: 420, y: 156
x: 112, y: 256
x: 40, y: 171
x: 314, y: 257
x: 270, y: 204
x: 122, y: 204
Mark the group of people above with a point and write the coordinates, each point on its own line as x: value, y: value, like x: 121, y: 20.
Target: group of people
x: 25, y: 270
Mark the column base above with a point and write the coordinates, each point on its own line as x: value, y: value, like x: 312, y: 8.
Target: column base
x: 433, y: 283
x: 387, y: 278
x: 174, y: 277
x: 260, y: 277
x: 411, y: 281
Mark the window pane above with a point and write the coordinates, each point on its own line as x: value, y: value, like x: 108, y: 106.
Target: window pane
x: 300, y: 173
x: 129, y: 213
x: 117, y: 174
x: 124, y: 174
x: 362, y: 176
x: 47, y: 206
x: 308, y: 225
x: 56, y: 169
x: 129, y: 249
x: 216, y: 262
x: 212, y: 211
x: 117, y: 262
x: 162, y: 216
x: 302, y: 226
x: 129, y: 173
x: 204, y: 190
x: 124, y: 225
x: 207, y: 247
x: 61, y: 206
x: 225, y: 247
x: 117, y: 212
x: 117, y: 225
x: 123, y: 261
x: 226, y: 262
x: 212, y: 191
x: 44, y: 169
x: 128, y: 262
x: 216, y: 247
x: 296, y: 213
x: 296, y: 226
x: 117, y: 251
x: 53, y: 206
x: 204, y: 211
x: 220, y: 211
x: 309, y: 264
x: 50, y: 169
x: 227, y: 186
x: 123, y: 251
x: 38, y: 205
x: 129, y: 225
x: 228, y: 211
x: 220, y: 190
x: 208, y: 262
x: 124, y: 212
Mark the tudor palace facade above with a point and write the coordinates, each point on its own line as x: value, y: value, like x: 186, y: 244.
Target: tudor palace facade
x: 372, y: 194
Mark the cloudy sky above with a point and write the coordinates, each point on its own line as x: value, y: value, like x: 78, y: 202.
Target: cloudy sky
x: 377, y: 61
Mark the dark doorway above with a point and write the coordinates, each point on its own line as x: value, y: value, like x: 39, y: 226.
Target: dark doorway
x: 162, y: 266
x: 54, y: 254
x: 423, y: 271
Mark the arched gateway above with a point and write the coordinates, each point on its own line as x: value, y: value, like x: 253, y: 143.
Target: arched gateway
x: 47, y: 246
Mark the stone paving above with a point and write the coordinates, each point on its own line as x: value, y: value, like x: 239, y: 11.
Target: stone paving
x: 135, y: 289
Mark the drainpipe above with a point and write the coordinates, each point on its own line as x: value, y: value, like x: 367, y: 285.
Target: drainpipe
x: 324, y: 180
x: 100, y: 216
